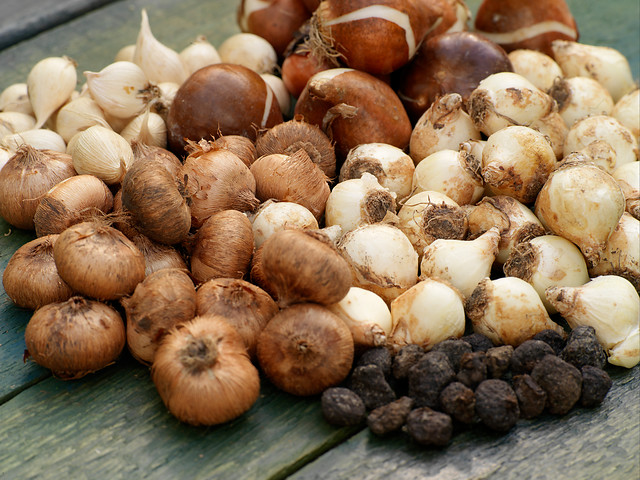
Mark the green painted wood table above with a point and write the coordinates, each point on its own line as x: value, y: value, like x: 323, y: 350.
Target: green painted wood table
x: 112, y: 424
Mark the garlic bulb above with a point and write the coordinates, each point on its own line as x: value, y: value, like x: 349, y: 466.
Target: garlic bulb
x: 547, y: 261
x: 50, y: 83
x: 367, y: 316
x: 40, y: 138
x: 15, y: 122
x: 391, y: 166
x: 611, y: 306
x: 427, y: 313
x: 429, y: 215
x: 249, y: 50
x: 537, y: 67
x: 15, y: 98
x: 273, y: 216
x: 162, y: 97
x: 583, y: 204
x: 381, y: 258
x: 159, y: 62
x: 578, y: 97
x: 453, y: 173
x: 101, y: 152
x: 148, y: 128
x: 280, y: 91
x: 604, y: 64
x: 5, y: 155
x: 504, y: 99
x: 78, y: 115
x: 357, y: 202
x: 621, y: 254
x: 628, y: 177
x: 444, y: 125
x: 119, y: 89
x: 508, y: 310
x: 125, y: 54
x: 608, y: 129
x: 462, y: 263
x: 626, y: 112
x: 198, y: 54
x: 516, y: 161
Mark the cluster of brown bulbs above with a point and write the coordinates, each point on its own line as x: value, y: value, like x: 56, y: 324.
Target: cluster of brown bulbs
x: 172, y: 243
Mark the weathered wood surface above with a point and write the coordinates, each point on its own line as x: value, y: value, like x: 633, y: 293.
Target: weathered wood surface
x: 22, y: 19
x: 113, y: 424
x: 585, y: 444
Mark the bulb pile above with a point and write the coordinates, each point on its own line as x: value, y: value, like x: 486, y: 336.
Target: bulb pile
x: 298, y: 202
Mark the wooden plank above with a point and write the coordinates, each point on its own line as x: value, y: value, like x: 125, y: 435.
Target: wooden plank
x: 22, y: 19
x: 94, y: 39
x: 15, y: 375
x: 587, y: 443
x: 114, y: 425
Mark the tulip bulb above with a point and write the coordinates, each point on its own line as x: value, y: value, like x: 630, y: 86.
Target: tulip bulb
x: 504, y: 99
x: 536, y: 66
x: 516, y: 161
x: 607, y: 129
x: 357, y: 202
x: 621, y: 254
x: 604, y: 64
x: 50, y: 83
x: 273, y: 216
x: 463, y: 263
x: 628, y: 177
x: 626, y: 112
x: 583, y: 204
x: 579, y: 97
x: 444, y: 125
x: 367, y: 316
x: 611, y: 306
x: 516, y: 222
x: 454, y: 173
x: 391, y: 166
x: 381, y: 259
x: 427, y: 313
x: 429, y: 215
x: 547, y: 261
x: 508, y: 310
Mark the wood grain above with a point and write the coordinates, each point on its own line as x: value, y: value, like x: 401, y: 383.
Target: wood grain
x: 113, y: 425
x: 585, y: 444
x: 22, y: 19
